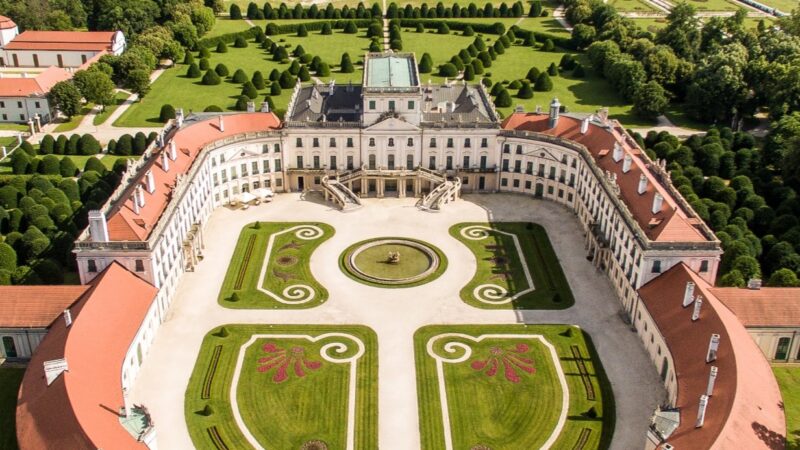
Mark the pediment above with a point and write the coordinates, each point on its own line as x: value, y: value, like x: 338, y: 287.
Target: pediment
x: 241, y: 153
x: 392, y: 124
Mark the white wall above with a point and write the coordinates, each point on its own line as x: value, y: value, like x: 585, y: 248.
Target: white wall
x: 20, y: 109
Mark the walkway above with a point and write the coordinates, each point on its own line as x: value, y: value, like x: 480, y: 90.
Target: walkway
x: 395, y: 314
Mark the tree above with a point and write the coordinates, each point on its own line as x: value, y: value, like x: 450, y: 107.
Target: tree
x: 734, y: 278
x: 66, y: 98
x: 650, y: 100
x: 48, y: 165
x: 552, y: 70
x: 543, y: 83
x: 193, y: 72
x: 536, y: 9
x: 258, y: 80
x: 719, y: 87
x: 8, y: 257
x: 211, y: 78
x: 139, y: 82
x: 323, y: 70
x: 350, y: 27
x: 275, y: 89
x: 533, y: 74
x: 682, y: 33
x: 20, y: 163
x: 448, y: 70
x: 132, y: 17
x: 235, y: 12
x: 238, y: 77
x: 222, y: 70
x: 304, y: 74
x: 94, y: 164
x: 469, y: 73
x: 88, y: 145
x: 583, y: 35
x: 425, y: 63
x: 525, y: 91
x: 67, y: 167
x: 241, y: 103
x: 240, y: 42
x: 503, y: 99
x: 287, y: 80
x: 222, y: 47
x: 95, y: 86
x: 346, y: 66
x: 302, y: 31
x: 326, y: 29
x: 46, y: 145
x: 167, y: 113
x: 783, y: 278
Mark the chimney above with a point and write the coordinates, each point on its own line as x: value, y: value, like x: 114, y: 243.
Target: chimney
x: 713, y: 345
x: 135, y: 206
x: 251, y: 107
x: 642, y: 184
x: 688, y: 294
x: 221, y: 125
x: 555, y: 109
x: 138, y: 196
x: 626, y: 163
x: 603, y: 115
x: 150, y: 181
x: 98, y: 227
x: 179, y: 117
x: 617, y: 152
x: 754, y: 284
x: 264, y: 107
x: 658, y: 201
x: 697, y: 305
x: 165, y: 161
x: 173, y: 150
x: 519, y: 109
x: 701, y: 411
x: 585, y: 126
x: 712, y: 378
x: 67, y: 317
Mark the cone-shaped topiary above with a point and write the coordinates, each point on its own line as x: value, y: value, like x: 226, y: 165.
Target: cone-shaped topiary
x: 346, y: 65
x: 503, y: 99
x: 552, y: 70
x: 294, y: 67
x: 525, y: 91
x: 211, y: 78
x: 258, y: 80
x: 350, y: 27
x: 304, y: 74
x: 477, y: 66
x: 239, y: 76
x: 323, y: 70
x: 448, y: 70
x: 374, y: 46
x: 302, y: 31
x: 469, y: 73
x: 167, y: 113
x: 299, y: 51
x: 287, y: 80
x: 275, y: 88
x: 425, y: 63
x: 205, y: 53
x: 207, y: 411
x: 194, y: 71
x: 222, y: 48
x: 326, y: 29
x: 223, y: 332
x: 249, y: 90
x: 204, y: 64
x: 222, y: 70
x: 275, y: 75
x: 533, y: 75
x: 234, y: 297
x: 468, y: 31
x: 548, y: 46
x: 543, y: 83
x: 240, y: 42
x: 189, y: 58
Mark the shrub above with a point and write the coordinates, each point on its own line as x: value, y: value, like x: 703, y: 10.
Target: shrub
x: 221, y: 47
x: 275, y: 89
x: 396, y: 44
x: 46, y: 145
x: 346, y: 66
x: 503, y: 99
x: 67, y: 168
x: 125, y: 144
x: 193, y: 72
x: 468, y: 31
x: 374, y: 46
x: 477, y: 66
x: 469, y: 73
x: 350, y: 27
x: 375, y: 29
x: 248, y: 90
x: 302, y: 31
x: 578, y: 71
x: 258, y: 80
x: 240, y: 42
x: 94, y: 164
x: 304, y: 74
x: 239, y: 76
x: 222, y: 70
x: 205, y: 53
x: 294, y: 68
x: 72, y: 145
x: 543, y: 83
x: 448, y: 70
x: 88, y: 145
x: 287, y: 80
x: 525, y: 91
x: 49, y: 165
x: 235, y: 12
x: 213, y: 108
x: 420, y: 28
x: 241, y: 103
x: 299, y: 51
x: 139, y: 143
x: 552, y: 70
x: 211, y: 78
x: 533, y: 74
x: 326, y: 29
x: 8, y: 257
x: 443, y: 28
x: 516, y: 84
x: 425, y: 63
x: 167, y: 113
x: 274, y: 75
x: 548, y: 45
x: 323, y: 70
x: 188, y: 58
x: 204, y: 64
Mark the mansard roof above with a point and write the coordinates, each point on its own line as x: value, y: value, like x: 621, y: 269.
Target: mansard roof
x: 745, y: 408
x: 124, y: 223
x: 80, y: 408
x: 327, y: 103
x: 673, y: 222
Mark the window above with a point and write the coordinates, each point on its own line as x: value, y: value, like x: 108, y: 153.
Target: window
x: 516, y: 183
x: 333, y: 162
x: 410, y: 142
x: 541, y: 170
x: 216, y: 180
x: 528, y: 184
x: 432, y: 163
x: 139, y: 265
x: 265, y: 148
x: 254, y: 166
x: 656, y: 266
x: 372, y: 105
x: 466, y: 161
x: 391, y: 162
x: 449, y: 142
x: 506, y: 148
x: 449, y: 162
x: 298, y: 142
x: 391, y: 105
x: 37, y: 105
x: 529, y: 168
x: 372, y: 142
x: 316, y: 161
x: 349, y: 162
x: 518, y: 166
x: 411, y: 105
x: 391, y: 142
x: 483, y: 162
x: 277, y: 165
x: 265, y: 165
x: 433, y: 143
x: 704, y: 266
x: 279, y: 182
x: 504, y: 182
x: 317, y: 180
x: 22, y: 117
x: 299, y: 161
x: 332, y: 142
x: 519, y: 149
x: 467, y: 143
x: 315, y: 142
x: 410, y: 162
x: 552, y: 174
x: 244, y: 169
x: 233, y: 173
x: 505, y: 165
x: 782, y: 351
x: 91, y: 266
x: 276, y: 148
x: 484, y: 142
x: 349, y: 142
x: 9, y: 347
x: 550, y: 190
x: 372, y: 163
x: 560, y: 193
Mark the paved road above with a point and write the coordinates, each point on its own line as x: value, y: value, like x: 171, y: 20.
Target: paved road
x: 395, y: 314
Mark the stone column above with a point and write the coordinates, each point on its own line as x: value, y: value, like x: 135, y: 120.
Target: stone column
x: 33, y: 129
x: 401, y: 187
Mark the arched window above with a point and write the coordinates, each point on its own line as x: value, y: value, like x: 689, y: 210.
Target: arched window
x: 391, y: 142
x: 372, y: 142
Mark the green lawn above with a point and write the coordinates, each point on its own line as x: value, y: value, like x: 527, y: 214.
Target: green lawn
x: 714, y: 5
x: 10, y: 379
x: 175, y: 88
x: 288, y: 274
x: 75, y: 120
x: 632, y: 5
x: 101, y: 117
x: 505, y: 393
x: 789, y: 380
x: 372, y: 262
x: 224, y: 25
x: 14, y: 127
x: 499, y: 266
x: 288, y: 393
x: 446, y: 46
x: 786, y: 6
x: 651, y: 25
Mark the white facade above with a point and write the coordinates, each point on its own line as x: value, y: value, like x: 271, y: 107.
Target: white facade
x: 49, y: 56
x: 22, y: 109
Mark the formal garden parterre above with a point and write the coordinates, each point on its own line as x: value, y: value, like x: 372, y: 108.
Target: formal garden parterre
x: 284, y: 386
x: 270, y: 267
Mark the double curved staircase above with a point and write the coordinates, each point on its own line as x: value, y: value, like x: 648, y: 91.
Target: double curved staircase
x: 341, y: 194
x: 444, y: 193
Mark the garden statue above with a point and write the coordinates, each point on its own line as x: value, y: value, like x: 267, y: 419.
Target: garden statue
x: 394, y: 257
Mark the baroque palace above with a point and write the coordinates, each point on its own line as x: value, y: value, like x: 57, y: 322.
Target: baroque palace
x: 395, y: 135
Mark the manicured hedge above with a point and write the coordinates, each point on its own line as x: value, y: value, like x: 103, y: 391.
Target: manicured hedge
x: 433, y: 24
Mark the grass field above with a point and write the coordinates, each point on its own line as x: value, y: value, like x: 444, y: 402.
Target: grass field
x: 789, y: 380
x: 288, y: 273
x: 79, y: 160
x: 504, y: 392
x: 75, y: 120
x: 297, y: 396
x: 175, y: 88
x: 10, y: 379
x: 632, y: 5
x: 786, y: 6
x: 714, y: 5
x: 14, y: 127
x: 101, y: 117
x: 373, y: 263
x: 499, y: 264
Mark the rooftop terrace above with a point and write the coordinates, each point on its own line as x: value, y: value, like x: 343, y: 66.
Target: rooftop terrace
x: 390, y: 70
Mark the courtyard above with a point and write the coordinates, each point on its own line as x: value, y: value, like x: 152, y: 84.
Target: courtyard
x: 387, y: 401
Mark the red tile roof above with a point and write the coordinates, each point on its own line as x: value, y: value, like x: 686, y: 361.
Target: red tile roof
x: 79, y: 410
x: 124, y: 224
x: 765, y: 307
x: 37, y: 86
x: 672, y: 223
x: 35, y: 306
x: 62, y: 40
x: 6, y: 23
x: 745, y: 408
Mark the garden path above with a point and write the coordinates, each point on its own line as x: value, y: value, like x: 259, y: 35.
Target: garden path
x: 395, y: 314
